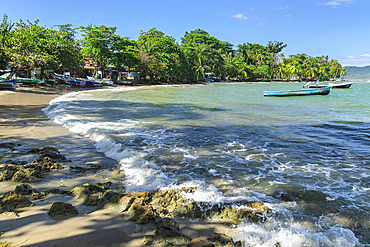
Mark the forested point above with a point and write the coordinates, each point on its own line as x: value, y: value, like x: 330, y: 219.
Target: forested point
x: 354, y: 72
x: 154, y: 56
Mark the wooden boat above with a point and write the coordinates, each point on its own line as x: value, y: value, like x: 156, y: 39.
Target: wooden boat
x: 28, y: 81
x: 8, y: 85
x: 300, y: 92
x: 68, y: 80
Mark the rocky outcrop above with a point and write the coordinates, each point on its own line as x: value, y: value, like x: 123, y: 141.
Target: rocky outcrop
x: 23, y: 172
x: 167, y: 233
x: 13, y: 201
x: 50, y: 152
x: 62, y: 209
x: 88, y: 194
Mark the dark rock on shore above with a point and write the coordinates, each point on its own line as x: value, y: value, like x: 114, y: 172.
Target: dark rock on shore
x: 62, y: 209
x: 13, y: 201
x: 88, y: 194
x: 50, y: 152
x: 167, y: 233
x: 23, y: 172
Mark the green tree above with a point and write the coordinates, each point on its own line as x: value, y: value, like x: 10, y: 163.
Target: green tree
x: 33, y: 47
x: 103, y: 46
x: 160, y: 56
x: 5, y: 29
x: 204, y: 52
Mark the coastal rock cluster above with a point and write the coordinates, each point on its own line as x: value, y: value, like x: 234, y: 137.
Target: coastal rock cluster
x: 22, y: 171
x: 161, y: 207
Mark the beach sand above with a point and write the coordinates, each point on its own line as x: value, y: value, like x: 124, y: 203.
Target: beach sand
x: 23, y: 122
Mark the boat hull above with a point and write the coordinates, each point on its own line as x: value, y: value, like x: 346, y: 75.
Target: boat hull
x: 341, y: 85
x: 70, y: 81
x: 8, y: 85
x: 333, y: 85
x: 302, y: 92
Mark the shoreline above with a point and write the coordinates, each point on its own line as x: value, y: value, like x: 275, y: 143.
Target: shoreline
x: 23, y: 123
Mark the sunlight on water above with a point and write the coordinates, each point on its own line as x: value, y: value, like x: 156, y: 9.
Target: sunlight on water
x: 305, y: 156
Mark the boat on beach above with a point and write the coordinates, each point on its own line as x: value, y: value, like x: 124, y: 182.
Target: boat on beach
x: 300, y: 92
x: 30, y: 81
x: 68, y: 80
x: 8, y: 84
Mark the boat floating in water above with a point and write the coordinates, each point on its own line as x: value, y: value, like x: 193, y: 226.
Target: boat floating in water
x: 300, y: 92
x: 333, y: 85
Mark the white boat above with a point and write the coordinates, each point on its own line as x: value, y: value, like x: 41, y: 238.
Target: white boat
x: 8, y: 85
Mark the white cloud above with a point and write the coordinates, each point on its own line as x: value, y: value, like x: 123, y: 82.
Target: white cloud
x: 335, y: 3
x: 240, y: 16
x: 285, y: 7
x: 361, y: 60
x: 261, y: 23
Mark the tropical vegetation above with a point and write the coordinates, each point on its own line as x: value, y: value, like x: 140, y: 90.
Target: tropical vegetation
x: 155, y: 55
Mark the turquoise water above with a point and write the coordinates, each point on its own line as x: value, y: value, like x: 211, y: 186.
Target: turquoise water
x: 306, y: 157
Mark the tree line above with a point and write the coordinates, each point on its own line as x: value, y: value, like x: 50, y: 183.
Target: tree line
x: 157, y: 56
x: 355, y: 72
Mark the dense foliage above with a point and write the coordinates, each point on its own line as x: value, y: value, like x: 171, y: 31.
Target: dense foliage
x: 155, y: 55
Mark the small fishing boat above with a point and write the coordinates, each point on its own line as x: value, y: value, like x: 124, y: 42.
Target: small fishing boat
x: 341, y: 85
x: 8, y: 84
x: 300, y: 92
x: 29, y: 81
x: 333, y: 85
x: 68, y: 80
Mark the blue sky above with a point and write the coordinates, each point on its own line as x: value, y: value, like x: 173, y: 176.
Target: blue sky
x: 339, y: 29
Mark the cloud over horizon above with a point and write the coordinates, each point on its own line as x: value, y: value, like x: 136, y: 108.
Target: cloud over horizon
x: 240, y: 16
x: 361, y: 60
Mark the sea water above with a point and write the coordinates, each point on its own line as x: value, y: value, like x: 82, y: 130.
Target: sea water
x: 233, y: 143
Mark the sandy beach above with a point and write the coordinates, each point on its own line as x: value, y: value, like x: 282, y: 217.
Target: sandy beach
x: 23, y: 123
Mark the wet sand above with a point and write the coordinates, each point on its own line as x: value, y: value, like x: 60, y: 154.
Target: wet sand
x: 22, y: 122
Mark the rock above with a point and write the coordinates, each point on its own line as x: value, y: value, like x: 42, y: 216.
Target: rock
x: 140, y: 213
x: 200, y: 242
x: 223, y: 240
x: 123, y: 201
x: 7, y: 172
x: 38, y: 195
x: 47, y: 151
x: 167, y: 233
x: 88, y: 194
x: 62, y: 209
x: 11, y: 202
x: 47, y: 164
x: 9, y: 145
x: 255, y: 212
x: 19, y: 176
x: 170, y: 203
x: 24, y: 189
x: 9, y: 214
x: 43, y: 150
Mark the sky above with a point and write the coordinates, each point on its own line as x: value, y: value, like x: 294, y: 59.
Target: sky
x: 339, y: 29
